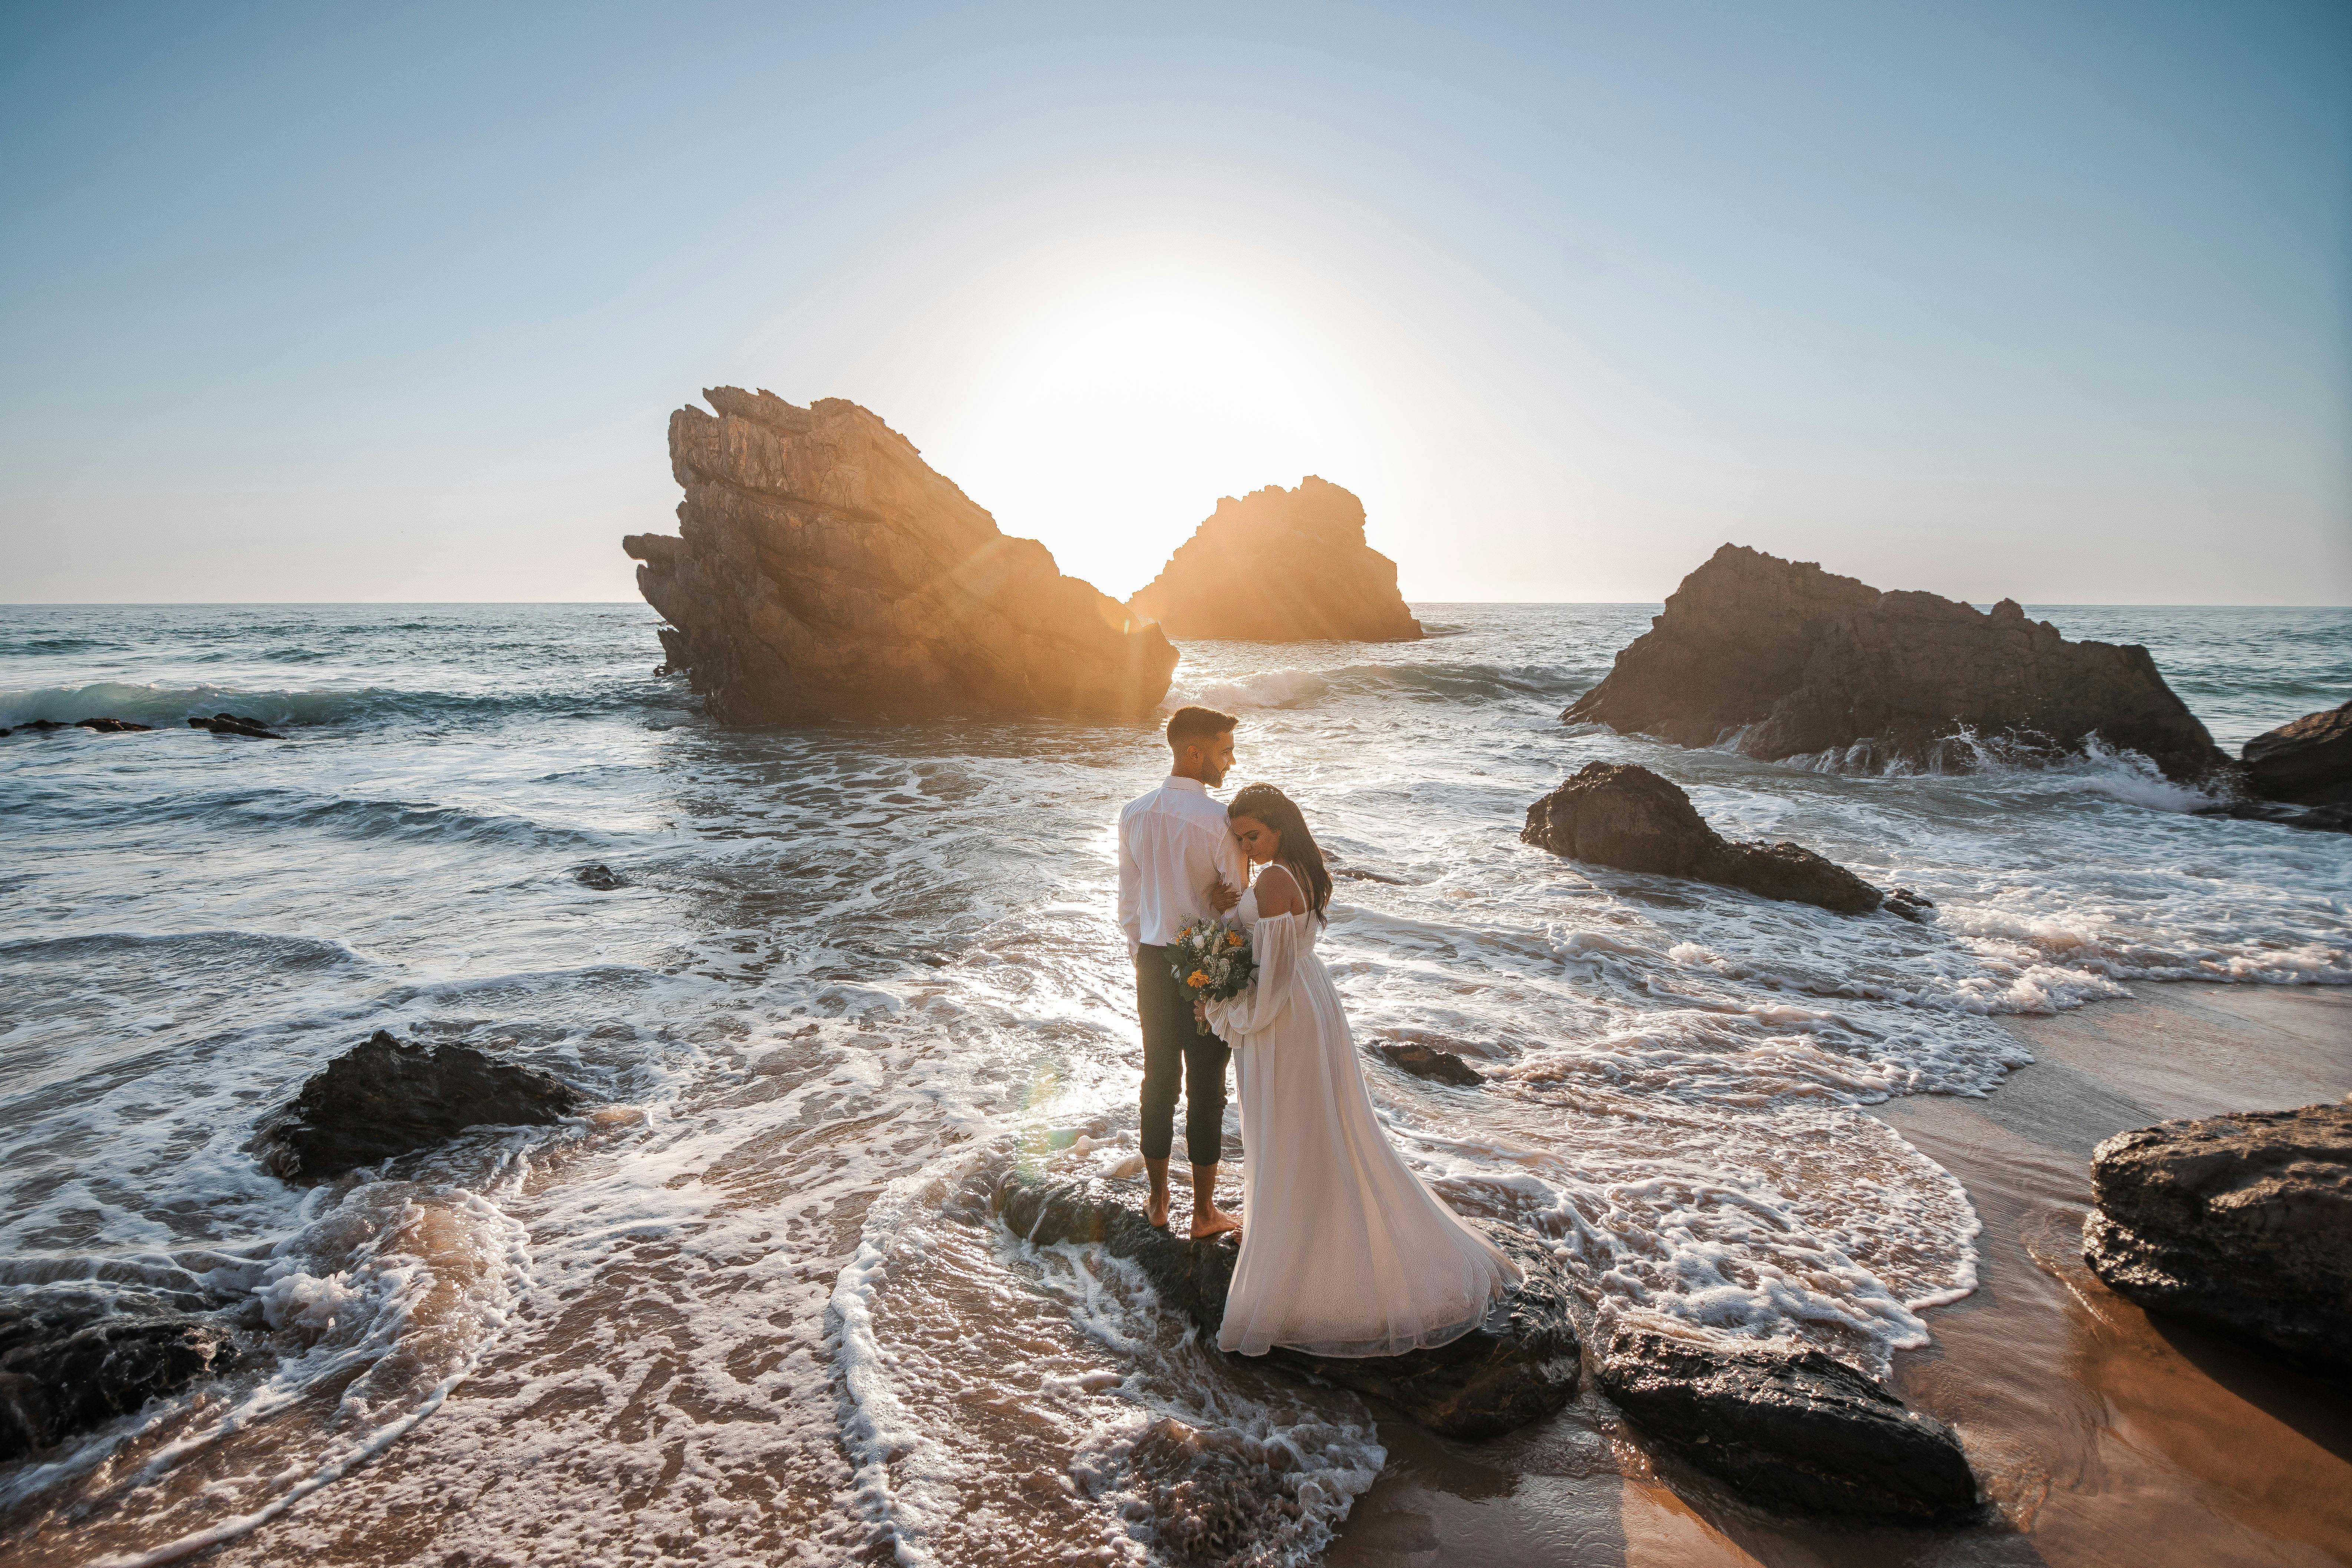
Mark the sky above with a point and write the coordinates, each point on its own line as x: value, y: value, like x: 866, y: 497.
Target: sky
x: 2044, y: 300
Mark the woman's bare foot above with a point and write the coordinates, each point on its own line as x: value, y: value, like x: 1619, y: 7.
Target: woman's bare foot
x: 1213, y: 1221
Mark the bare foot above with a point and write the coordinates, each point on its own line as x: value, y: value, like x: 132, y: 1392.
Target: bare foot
x: 1214, y: 1222
x: 1155, y: 1210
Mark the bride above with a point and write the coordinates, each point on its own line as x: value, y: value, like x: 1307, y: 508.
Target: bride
x: 1344, y: 1251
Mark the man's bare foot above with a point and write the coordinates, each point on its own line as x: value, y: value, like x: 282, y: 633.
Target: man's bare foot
x: 1213, y: 1222
x: 1155, y: 1210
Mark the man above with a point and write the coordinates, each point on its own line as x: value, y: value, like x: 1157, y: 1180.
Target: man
x: 1177, y: 863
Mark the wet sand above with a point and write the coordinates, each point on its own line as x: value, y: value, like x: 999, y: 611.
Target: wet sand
x: 2101, y: 1437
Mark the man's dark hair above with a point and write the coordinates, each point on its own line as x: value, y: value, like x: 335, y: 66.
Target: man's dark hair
x: 1197, y: 726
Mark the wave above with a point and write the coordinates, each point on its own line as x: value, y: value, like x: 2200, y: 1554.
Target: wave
x: 170, y: 706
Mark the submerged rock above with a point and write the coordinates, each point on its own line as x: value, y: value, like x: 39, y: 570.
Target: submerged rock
x: 2242, y: 1223
x: 1520, y: 1365
x: 2307, y: 762
x: 1280, y: 565
x: 823, y: 570
x: 70, y: 1363
x: 1794, y: 662
x: 103, y: 726
x: 1622, y: 814
x: 230, y: 724
x: 388, y: 1097
x: 1429, y: 1062
x: 601, y: 877
x: 1803, y: 1433
x: 2310, y: 818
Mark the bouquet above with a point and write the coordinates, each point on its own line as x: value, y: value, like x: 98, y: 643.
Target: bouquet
x: 1212, y: 961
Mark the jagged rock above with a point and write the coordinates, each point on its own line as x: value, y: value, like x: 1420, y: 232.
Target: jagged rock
x: 71, y: 1362
x: 2307, y: 762
x: 1280, y: 565
x: 388, y: 1097
x: 230, y: 724
x: 1796, y: 662
x: 601, y: 877
x: 2242, y: 1223
x: 1911, y: 905
x: 1803, y: 1433
x: 2311, y: 818
x: 823, y: 570
x: 1519, y: 1367
x: 1622, y: 814
x: 1429, y: 1062
x: 113, y: 726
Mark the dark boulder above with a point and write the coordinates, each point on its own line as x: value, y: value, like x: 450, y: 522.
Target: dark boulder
x: 69, y: 1363
x: 2307, y: 762
x: 2310, y: 818
x: 1911, y: 905
x: 1622, y: 814
x: 2241, y: 1222
x: 1520, y: 1365
x: 1795, y: 661
x: 388, y: 1097
x: 1801, y: 1433
x: 601, y: 877
x: 114, y: 726
x: 230, y: 724
x: 1429, y: 1062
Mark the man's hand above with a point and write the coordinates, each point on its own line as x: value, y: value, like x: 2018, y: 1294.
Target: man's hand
x: 1221, y: 896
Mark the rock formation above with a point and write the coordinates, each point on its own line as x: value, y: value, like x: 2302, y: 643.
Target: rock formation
x: 2242, y: 1223
x: 823, y: 570
x: 230, y: 724
x: 1617, y: 814
x: 1519, y: 1366
x: 1429, y: 1062
x: 388, y: 1097
x: 2307, y: 762
x: 103, y: 726
x: 1803, y: 1432
x: 1280, y: 565
x: 1794, y: 662
x: 71, y: 1362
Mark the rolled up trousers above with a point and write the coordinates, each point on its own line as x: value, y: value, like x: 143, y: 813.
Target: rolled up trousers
x: 1176, y: 1054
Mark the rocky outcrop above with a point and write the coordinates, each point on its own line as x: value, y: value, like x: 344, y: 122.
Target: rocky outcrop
x: 2242, y: 1223
x: 388, y: 1097
x: 1519, y: 1367
x: 1622, y: 815
x: 69, y: 1363
x: 822, y: 571
x: 1429, y: 1062
x: 1801, y: 1433
x: 2307, y: 762
x: 230, y: 724
x: 1794, y: 661
x: 599, y: 876
x: 103, y: 726
x: 1280, y: 565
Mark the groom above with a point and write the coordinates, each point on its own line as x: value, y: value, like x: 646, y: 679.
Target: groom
x: 1174, y: 849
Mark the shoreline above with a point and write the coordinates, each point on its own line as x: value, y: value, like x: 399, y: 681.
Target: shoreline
x: 2104, y: 1439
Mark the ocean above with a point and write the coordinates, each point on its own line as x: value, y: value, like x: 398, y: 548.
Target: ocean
x: 742, y: 1313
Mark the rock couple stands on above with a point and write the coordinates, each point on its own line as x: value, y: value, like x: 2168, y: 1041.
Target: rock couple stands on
x: 1280, y: 565
x: 823, y: 570
x: 1621, y: 814
x: 1794, y: 661
x: 2242, y: 1223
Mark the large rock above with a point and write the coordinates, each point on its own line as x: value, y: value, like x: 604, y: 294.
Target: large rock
x: 388, y: 1097
x: 1520, y: 1365
x: 1622, y: 814
x: 2307, y: 762
x: 1794, y: 662
x: 823, y: 570
x: 1280, y: 565
x: 2242, y: 1223
x: 1801, y: 1433
x: 69, y: 1363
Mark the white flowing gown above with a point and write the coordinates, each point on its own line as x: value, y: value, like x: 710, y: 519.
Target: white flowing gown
x: 1344, y: 1251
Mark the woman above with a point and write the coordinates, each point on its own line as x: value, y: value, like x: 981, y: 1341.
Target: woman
x: 1344, y: 1252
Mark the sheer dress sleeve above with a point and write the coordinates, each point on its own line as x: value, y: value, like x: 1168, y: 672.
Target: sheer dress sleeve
x: 1275, y: 944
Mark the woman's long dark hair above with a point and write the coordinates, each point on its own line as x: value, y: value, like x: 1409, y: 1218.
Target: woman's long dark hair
x: 1300, y: 854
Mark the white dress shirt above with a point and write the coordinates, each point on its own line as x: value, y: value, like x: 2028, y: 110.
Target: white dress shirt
x: 1173, y: 844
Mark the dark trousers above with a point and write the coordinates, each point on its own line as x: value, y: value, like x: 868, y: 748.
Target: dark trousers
x: 1175, y: 1053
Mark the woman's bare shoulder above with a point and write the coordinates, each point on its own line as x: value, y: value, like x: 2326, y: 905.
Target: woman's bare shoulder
x: 1277, y: 892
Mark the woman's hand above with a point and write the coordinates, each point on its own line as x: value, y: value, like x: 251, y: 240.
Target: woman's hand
x: 1200, y: 1012
x: 1221, y: 896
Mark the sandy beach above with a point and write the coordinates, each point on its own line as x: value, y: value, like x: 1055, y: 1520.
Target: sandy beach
x: 2103, y: 1437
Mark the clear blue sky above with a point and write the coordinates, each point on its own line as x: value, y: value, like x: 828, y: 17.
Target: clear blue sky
x: 2051, y: 299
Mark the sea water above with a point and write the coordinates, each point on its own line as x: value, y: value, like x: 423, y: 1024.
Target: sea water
x: 742, y: 1313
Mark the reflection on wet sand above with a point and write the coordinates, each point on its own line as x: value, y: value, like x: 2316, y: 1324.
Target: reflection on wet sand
x: 2101, y: 1437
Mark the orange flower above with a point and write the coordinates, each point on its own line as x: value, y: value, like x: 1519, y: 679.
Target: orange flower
x: 1233, y: 939
x: 1196, y: 980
